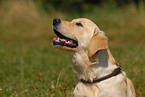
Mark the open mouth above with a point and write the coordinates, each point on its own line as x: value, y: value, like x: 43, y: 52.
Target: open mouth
x: 63, y: 40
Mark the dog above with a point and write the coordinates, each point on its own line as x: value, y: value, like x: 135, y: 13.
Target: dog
x: 96, y: 69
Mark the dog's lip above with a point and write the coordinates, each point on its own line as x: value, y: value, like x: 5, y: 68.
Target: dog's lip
x: 63, y: 40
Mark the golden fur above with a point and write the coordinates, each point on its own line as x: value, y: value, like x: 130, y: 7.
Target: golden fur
x: 93, y: 59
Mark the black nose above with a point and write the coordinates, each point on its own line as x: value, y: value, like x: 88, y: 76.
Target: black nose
x: 56, y: 21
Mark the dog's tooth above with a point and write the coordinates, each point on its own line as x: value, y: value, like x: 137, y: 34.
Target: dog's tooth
x: 54, y: 39
x: 68, y: 42
x: 58, y: 39
x: 71, y: 41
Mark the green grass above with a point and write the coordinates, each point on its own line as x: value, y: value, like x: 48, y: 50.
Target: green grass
x: 31, y: 67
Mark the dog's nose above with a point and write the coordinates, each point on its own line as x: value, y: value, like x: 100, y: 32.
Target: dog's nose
x: 56, y: 21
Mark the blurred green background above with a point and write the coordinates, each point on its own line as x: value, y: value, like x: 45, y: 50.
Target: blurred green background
x: 29, y: 64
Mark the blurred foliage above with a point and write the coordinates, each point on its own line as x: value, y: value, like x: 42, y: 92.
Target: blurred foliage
x: 84, y: 5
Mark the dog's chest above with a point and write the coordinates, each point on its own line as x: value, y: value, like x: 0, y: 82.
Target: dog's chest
x: 80, y: 59
x: 114, y: 87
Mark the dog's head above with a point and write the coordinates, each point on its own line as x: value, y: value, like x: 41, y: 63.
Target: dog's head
x: 79, y: 34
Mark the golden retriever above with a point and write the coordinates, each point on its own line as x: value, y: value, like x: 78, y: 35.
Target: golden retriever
x: 92, y: 59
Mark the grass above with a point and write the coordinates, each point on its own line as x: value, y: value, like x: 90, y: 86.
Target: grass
x: 30, y: 66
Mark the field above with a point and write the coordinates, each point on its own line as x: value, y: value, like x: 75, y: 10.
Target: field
x: 31, y: 67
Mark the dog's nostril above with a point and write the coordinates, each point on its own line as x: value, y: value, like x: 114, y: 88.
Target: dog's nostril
x: 56, y: 21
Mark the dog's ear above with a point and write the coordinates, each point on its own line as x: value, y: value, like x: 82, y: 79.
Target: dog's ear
x: 98, y: 42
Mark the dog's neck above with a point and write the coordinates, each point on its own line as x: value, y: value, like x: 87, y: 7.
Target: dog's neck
x: 101, y: 64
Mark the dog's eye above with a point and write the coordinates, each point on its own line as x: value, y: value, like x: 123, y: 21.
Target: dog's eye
x: 79, y: 24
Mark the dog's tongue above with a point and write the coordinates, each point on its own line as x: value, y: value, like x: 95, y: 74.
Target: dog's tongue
x: 65, y: 41
x: 62, y: 40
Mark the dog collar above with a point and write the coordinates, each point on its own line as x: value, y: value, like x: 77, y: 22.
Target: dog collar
x: 115, y: 72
